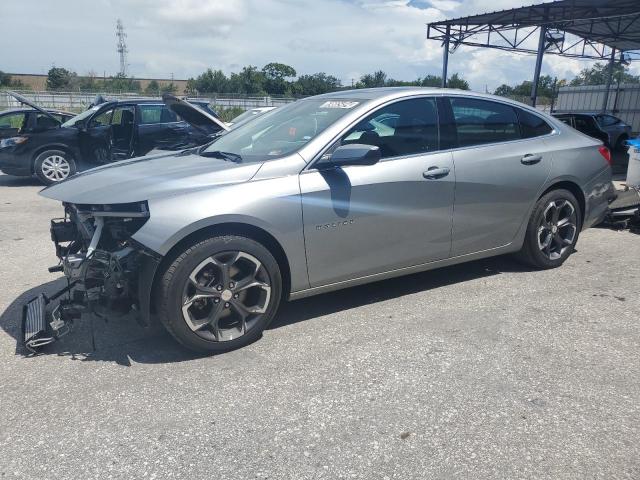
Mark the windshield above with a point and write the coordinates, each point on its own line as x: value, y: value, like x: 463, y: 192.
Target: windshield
x: 283, y: 131
x: 86, y: 114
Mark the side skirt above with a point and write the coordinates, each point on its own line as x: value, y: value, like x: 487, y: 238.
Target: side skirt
x: 509, y: 248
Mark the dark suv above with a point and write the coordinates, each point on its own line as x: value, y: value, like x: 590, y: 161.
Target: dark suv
x: 105, y: 133
x: 612, y: 131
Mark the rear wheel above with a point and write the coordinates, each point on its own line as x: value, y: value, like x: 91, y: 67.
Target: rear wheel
x: 54, y: 166
x: 552, y: 231
x: 219, y: 294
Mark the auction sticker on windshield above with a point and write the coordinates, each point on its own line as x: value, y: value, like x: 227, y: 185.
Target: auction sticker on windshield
x: 338, y: 104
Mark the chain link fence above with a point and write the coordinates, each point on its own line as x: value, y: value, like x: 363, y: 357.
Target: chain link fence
x: 78, y: 101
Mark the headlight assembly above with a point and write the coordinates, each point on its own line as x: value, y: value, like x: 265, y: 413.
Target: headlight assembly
x: 13, y: 141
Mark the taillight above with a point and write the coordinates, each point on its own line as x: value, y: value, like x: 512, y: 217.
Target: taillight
x: 604, y: 151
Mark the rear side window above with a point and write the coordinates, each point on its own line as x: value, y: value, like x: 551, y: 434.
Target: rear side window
x: 532, y: 125
x: 151, y: 114
x: 482, y: 121
x: 403, y: 128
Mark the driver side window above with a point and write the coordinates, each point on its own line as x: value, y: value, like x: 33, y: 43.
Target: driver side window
x: 403, y: 128
x: 102, y: 119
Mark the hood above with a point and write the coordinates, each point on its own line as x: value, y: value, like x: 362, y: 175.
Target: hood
x: 24, y: 101
x: 193, y: 115
x: 145, y: 178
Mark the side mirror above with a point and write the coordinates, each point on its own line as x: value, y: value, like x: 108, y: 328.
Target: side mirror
x: 353, y: 154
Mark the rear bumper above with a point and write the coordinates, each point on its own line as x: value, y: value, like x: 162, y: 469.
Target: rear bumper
x: 599, y: 193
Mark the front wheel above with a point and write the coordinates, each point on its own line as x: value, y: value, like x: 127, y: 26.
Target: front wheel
x: 552, y: 231
x: 219, y: 294
x: 54, y: 166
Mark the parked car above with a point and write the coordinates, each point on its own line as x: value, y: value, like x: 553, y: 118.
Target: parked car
x: 105, y: 133
x: 250, y: 115
x: 16, y: 121
x: 612, y: 131
x: 325, y: 193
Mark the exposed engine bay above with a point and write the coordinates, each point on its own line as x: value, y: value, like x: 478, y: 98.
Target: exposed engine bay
x: 102, y: 266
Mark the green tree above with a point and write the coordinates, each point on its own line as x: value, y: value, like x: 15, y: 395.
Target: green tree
x: 59, y: 78
x: 152, y: 88
x: 122, y: 83
x: 5, y: 79
x: 315, y: 84
x: 431, y: 81
x: 168, y: 88
x: 373, y: 80
x: 210, y: 81
x: 597, y: 75
x: 456, y: 81
x: 275, y: 78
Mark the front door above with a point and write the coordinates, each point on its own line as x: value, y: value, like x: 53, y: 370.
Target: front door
x: 95, y: 139
x: 362, y: 220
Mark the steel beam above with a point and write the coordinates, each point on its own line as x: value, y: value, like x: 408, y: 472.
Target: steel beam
x: 445, y: 57
x: 605, y: 100
x: 536, y: 73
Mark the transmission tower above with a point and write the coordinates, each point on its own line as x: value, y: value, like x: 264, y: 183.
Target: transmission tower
x: 122, y: 47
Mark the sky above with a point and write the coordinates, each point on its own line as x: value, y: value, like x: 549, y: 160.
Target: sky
x: 344, y: 38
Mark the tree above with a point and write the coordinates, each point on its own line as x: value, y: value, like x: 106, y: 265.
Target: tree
x: 275, y: 75
x: 59, y: 78
x: 456, y: 81
x: 152, y: 88
x: 431, y: 81
x: 373, y: 80
x: 122, y: 83
x: 315, y: 84
x: 504, y: 90
x: 597, y: 75
x: 168, y: 88
x: 546, y: 88
x: 5, y: 79
x: 211, y: 81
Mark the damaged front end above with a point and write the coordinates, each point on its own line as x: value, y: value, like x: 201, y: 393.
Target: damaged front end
x: 107, y: 272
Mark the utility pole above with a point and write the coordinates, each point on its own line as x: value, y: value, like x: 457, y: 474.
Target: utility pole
x: 122, y: 47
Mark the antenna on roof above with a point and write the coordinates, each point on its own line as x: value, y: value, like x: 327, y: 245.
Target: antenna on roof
x: 122, y: 47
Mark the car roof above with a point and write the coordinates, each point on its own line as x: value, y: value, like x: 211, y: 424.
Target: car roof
x: 26, y: 110
x: 152, y: 101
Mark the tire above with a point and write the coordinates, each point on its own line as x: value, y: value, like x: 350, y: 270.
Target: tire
x: 544, y: 252
x: 54, y: 166
x: 208, y: 327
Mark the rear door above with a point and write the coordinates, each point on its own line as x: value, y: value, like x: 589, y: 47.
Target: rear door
x: 158, y: 127
x: 363, y: 220
x: 499, y: 172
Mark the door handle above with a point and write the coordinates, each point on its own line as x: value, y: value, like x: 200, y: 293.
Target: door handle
x: 530, y: 159
x: 434, y: 173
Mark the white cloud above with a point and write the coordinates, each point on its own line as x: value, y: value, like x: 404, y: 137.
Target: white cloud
x: 345, y: 38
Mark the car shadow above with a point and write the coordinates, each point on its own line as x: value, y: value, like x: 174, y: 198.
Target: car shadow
x: 122, y: 340
x: 11, y: 181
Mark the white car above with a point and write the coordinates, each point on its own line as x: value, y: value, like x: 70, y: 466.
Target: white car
x: 249, y: 115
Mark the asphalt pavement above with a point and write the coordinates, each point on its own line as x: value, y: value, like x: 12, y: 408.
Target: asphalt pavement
x: 484, y: 371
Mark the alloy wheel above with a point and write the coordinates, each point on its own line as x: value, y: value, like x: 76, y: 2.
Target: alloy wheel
x: 226, y: 295
x: 557, y: 229
x: 55, y: 168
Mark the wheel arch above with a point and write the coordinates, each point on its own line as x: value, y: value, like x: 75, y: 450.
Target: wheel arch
x: 248, y: 230
x: 575, y: 189
x: 52, y: 146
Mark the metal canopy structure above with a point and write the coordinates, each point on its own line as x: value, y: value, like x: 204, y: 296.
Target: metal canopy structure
x: 588, y: 29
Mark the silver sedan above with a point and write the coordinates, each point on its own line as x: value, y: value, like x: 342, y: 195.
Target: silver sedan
x: 322, y: 194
